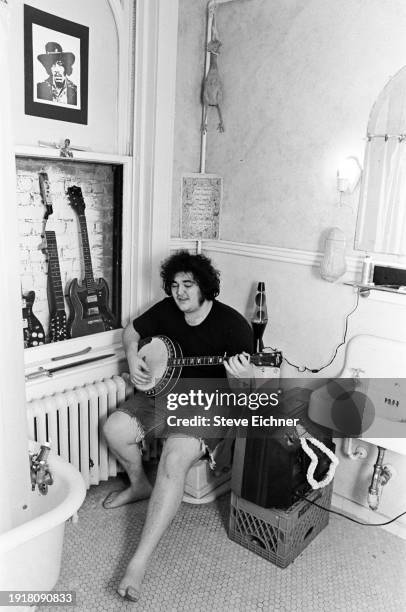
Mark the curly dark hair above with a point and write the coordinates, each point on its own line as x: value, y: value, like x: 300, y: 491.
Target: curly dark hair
x: 205, y: 275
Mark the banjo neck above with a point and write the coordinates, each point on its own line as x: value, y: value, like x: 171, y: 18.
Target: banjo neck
x: 179, y: 362
x: 260, y: 359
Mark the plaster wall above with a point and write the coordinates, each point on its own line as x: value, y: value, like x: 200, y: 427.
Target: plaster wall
x: 100, y: 134
x: 307, y: 323
x: 300, y: 78
x: 299, y: 81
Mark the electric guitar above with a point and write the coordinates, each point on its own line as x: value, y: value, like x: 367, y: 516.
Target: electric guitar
x: 165, y: 361
x: 33, y: 332
x: 57, y: 315
x: 89, y: 301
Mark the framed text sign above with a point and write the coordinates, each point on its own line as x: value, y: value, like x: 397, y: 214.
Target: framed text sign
x: 56, y: 56
x: 201, y: 203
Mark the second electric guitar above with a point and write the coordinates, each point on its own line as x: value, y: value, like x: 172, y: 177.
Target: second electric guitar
x: 89, y: 301
x: 57, y: 314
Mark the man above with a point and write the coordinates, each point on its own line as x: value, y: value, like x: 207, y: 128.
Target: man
x: 57, y: 87
x: 202, y: 326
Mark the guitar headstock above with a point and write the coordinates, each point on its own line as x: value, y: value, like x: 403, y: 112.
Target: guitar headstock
x: 28, y: 298
x: 45, y: 193
x: 76, y: 200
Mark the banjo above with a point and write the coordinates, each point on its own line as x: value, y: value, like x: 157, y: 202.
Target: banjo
x: 165, y: 361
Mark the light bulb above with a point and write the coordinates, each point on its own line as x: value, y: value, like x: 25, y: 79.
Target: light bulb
x: 348, y: 175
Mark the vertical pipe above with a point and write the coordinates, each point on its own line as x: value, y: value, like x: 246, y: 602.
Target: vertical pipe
x: 374, y: 487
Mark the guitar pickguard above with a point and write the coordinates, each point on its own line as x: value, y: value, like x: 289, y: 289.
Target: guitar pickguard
x: 90, y: 309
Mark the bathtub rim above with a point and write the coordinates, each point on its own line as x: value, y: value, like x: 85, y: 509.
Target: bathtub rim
x: 75, y: 495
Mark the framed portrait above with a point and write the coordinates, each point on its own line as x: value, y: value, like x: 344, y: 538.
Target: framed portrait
x: 56, y: 60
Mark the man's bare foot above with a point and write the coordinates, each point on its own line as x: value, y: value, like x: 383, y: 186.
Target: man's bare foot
x: 130, y: 584
x: 115, y: 499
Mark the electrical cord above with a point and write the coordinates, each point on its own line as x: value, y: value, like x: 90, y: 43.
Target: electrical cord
x: 316, y: 370
x: 349, y: 518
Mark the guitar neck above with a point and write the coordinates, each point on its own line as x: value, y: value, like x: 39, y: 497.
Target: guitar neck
x: 89, y: 278
x: 54, y: 270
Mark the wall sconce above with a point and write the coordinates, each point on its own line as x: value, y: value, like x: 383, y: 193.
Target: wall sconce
x: 348, y: 175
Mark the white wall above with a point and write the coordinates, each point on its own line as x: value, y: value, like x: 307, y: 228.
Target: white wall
x: 147, y: 124
x: 299, y: 79
x: 101, y: 132
x: 100, y: 135
x: 306, y: 321
x: 14, y: 477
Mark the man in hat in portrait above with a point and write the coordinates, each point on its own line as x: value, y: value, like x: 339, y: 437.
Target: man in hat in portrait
x: 58, y: 64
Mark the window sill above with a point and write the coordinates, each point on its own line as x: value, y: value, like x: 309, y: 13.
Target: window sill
x: 98, y: 363
x: 75, y: 349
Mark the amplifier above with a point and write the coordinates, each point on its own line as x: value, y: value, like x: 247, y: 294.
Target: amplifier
x: 275, y: 471
x: 270, y: 471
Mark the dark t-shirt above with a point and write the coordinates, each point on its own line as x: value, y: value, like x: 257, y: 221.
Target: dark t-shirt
x: 223, y: 331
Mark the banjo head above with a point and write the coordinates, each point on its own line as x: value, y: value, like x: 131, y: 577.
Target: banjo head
x: 156, y: 351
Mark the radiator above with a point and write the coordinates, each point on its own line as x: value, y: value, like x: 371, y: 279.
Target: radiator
x: 72, y: 421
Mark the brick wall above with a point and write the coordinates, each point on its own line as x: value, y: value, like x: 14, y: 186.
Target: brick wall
x: 96, y: 182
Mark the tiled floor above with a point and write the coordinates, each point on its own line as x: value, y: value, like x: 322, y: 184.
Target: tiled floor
x: 196, y: 567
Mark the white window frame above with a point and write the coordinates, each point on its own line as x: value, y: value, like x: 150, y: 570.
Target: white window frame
x: 44, y: 353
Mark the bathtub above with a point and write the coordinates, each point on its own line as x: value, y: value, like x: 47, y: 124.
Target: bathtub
x: 30, y: 554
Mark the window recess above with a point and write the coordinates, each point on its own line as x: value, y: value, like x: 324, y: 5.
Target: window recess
x: 75, y: 231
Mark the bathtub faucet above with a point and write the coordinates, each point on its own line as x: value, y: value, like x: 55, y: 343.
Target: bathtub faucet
x: 40, y: 474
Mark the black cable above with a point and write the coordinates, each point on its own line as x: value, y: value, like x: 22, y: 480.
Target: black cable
x: 316, y: 370
x: 349, y: 518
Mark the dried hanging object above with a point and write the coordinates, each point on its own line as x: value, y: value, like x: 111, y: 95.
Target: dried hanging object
x: 212, y: 94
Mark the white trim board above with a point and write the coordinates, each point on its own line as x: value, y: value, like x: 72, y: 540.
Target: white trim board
x: 154, y: 120
x: 285, y: 255
x: 262, y: 251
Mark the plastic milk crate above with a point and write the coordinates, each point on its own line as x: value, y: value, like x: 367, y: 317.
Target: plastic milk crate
x: 279, y: 535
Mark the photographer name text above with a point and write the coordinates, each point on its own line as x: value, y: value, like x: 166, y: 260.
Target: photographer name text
x: 255, y: 420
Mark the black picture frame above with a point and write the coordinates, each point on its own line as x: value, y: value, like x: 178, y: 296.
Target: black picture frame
x: 47, y: 38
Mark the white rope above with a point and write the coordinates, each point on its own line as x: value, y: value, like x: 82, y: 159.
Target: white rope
x: 314, y: 461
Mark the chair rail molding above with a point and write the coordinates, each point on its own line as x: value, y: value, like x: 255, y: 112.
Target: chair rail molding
x: 291, y: 256
x: 263, y: 251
